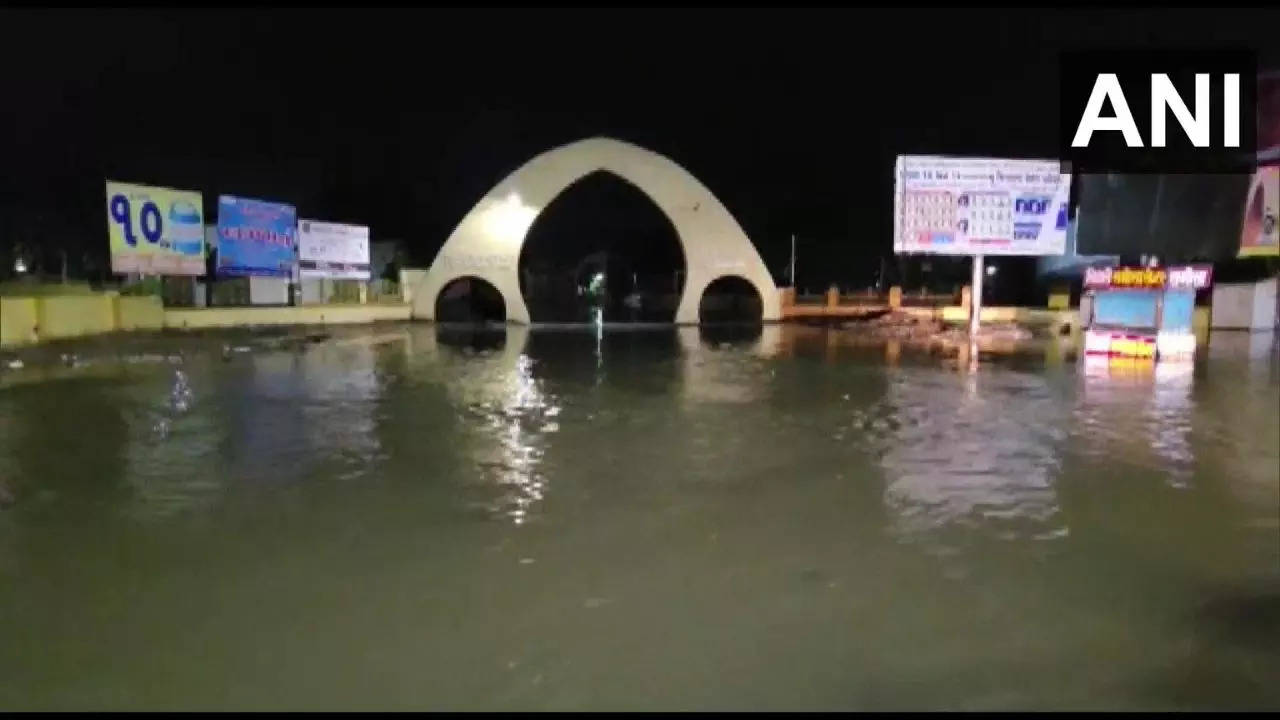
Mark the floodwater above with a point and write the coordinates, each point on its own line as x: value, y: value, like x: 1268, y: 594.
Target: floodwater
x: 404, y: 517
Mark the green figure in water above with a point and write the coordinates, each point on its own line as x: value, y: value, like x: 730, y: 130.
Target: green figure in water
x: 597, y: 289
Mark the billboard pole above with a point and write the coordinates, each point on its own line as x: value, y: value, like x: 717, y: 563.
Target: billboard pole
x: 975, y: 300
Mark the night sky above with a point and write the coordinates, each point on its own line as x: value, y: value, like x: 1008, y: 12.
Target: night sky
x: 402, y: 120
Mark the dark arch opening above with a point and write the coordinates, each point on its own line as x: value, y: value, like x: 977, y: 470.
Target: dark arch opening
x: 730, y: 300
x: 602, y: 248
x: 470, y: 300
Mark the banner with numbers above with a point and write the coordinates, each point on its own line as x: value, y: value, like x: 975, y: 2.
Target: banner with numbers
x: 155, y: 230
x: 979, y: 206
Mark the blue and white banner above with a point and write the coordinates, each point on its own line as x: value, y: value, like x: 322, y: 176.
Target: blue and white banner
x: 979, y: 206
x: 256, y: 237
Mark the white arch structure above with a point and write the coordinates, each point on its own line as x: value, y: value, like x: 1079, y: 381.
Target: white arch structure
x: 486, y: 244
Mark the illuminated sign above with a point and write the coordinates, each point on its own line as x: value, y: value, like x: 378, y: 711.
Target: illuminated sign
x: 1120, y: 345
x: 1125, y: 277
x: 967, y: 206
x: 333, y: 250
x: 1188, y: 277
x: 155, y: 230
x: 255, y: 237
x: 1032, y: 204
x: 1133, y: 347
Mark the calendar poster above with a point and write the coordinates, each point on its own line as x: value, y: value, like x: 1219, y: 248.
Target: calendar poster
x: 979, y: 206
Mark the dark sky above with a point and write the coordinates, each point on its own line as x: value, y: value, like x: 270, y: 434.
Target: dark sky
x: 402, y: 120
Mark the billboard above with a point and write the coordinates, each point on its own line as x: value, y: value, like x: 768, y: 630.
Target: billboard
x: 979, y: 206
x: 1258, y: 234
x: 155, y: 230
x: 333, y: 250
x: 255, y: 237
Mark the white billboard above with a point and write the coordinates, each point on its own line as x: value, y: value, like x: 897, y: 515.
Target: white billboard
x: 979, y: 206
x: 332, y: 250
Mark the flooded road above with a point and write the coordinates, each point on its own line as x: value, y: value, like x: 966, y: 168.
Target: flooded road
x: 405, y: 518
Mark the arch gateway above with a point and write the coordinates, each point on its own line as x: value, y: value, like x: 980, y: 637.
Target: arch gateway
x: 486, y: 244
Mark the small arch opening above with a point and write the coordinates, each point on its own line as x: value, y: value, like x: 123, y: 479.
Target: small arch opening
x: 470, y: 300
x: 730, y: 300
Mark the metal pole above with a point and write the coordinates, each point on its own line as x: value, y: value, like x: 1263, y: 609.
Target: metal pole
x: 975, y: 299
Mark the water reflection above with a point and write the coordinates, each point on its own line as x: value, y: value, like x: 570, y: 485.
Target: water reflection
x: 1137, y: 410
x: 1255, y: 347
x: 721, y: 365
x: 342, y: 391
x: 972, y: 453
x: 949, y: 538
x: 506, y: 417
x: 171, y: 454
x: 519, y: 428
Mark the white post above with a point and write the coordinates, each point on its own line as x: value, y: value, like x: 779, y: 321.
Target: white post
x: 975, y: 299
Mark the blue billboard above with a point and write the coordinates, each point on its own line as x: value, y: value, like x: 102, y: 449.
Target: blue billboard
x: 256, y: 237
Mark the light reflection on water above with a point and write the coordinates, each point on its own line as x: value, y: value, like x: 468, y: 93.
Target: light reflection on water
x: 1141, y: 412
x: 972, y: 451
x: 520, y: 423
x: 777, y: 518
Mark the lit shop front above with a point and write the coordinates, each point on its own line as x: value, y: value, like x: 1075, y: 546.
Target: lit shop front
x: 1143, y: 312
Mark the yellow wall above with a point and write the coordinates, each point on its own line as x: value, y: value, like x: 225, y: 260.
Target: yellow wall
x: 923, y: 313
x: 69, y: 316
x: 197, y: 318
x: 1200, y: 324
x: 29, y: 320
x: 1019, y: 315
x: 139, y: 313
x: 18, y: 316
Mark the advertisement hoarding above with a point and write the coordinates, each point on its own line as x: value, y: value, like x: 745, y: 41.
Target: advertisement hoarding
x: 333, y: 250
x: 979, y: 206
x: 155, y: 230
x: 255, y: 237
x: 1185, y: 277
x: 1258, y: 234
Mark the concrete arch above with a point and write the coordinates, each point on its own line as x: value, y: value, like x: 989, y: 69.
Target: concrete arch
x: 486, y: 244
